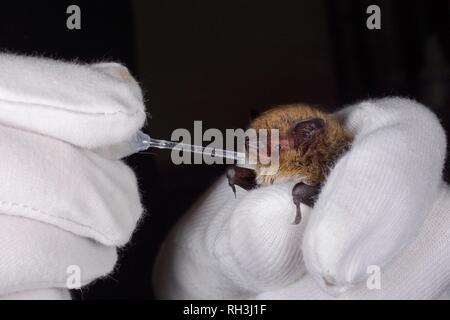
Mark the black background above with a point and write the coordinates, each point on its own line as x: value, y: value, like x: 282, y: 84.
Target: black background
x: 216, y: 61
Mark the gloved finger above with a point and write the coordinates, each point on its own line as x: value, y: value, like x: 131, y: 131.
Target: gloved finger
x: 377, y: 196
x: 305, y: 288
x: 51, y: 113
x: 227, y: 248
x: 263, y: 241
x: 86, y: 105
x: 422, y: 271
x: 49, y: 116
x: 39, y: 255
x: 39, y: 294
x: 186, y: 266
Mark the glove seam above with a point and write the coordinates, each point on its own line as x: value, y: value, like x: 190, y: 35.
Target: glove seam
x: 44, y: 213
x: 49, y: 106
x: 46, y: 284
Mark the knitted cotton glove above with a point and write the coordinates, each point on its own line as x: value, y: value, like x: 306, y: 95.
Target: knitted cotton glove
x: 379, y: 194
x: 64, y: 208
x: 371, y: 212
x: 421, y: 271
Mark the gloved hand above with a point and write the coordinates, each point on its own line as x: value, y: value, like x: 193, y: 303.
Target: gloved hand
x: 383, y: 207
x: 64, y: 208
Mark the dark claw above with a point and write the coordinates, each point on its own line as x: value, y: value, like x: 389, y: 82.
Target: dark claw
x: 243, y: 177
x: 298, y: 214
x: 306, y: 194
x: 233, y: 187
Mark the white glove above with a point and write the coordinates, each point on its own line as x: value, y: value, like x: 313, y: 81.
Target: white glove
x: 384, y: 204
x: 63, y: 206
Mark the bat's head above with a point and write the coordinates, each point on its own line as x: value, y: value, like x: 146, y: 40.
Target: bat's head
x: 310, y: 141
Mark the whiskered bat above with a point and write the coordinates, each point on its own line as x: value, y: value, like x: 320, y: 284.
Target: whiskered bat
x: 311, y: 141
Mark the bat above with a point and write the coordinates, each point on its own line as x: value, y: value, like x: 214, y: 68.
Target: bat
x: 311, y: 141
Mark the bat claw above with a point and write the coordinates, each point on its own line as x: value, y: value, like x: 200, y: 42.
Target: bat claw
x: 233, y: 187
x: 303, y: 193
x: 243, y: 177
x: 298, y: 215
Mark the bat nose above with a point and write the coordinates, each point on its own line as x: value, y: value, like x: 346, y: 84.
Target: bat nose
x: 284, y: 144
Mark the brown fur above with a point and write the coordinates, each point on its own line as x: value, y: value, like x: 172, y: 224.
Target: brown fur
x: 311, y: 164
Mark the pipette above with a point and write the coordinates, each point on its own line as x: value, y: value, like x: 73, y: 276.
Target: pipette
x: 141, y: 142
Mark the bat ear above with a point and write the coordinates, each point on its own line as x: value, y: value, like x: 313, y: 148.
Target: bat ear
x: 304, y: 131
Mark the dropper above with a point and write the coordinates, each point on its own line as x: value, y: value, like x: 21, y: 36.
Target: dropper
x: 142, y: 141
x: 216, y: 152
